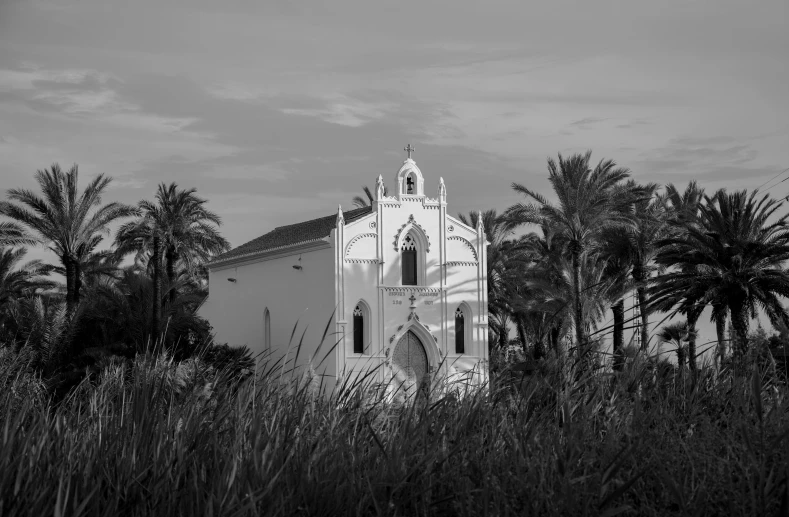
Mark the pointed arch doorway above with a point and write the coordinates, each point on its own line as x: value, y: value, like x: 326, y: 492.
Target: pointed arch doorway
x: 410, y: 365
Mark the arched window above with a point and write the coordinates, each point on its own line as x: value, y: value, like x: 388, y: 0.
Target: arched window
x: 358, y: 330
x: 410, y: 183
x: 409, y: 261
x: 460, y: 332
x: 266, y: 329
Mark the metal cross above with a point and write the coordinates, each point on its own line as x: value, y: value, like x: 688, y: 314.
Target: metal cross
x: 409, y: 149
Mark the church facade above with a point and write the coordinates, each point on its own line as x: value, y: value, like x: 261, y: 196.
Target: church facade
x: 397, y: 290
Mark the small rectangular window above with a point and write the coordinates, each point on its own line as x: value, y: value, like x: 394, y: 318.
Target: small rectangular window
x: 409, y: 267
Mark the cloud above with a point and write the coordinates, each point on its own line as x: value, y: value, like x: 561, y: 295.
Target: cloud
x: 584, y: 123
x: 719, y: 160
x: 83, y: 94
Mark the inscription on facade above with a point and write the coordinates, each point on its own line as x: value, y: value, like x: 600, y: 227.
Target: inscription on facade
x: 396, y: 294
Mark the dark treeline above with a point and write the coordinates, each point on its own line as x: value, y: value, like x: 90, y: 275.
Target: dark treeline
x: 90, y: 305
x: 113, y: 400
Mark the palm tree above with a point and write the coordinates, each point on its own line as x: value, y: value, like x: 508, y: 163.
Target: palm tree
x: 145, y: 234
x: 677, y: 334
x: 191, y: 237
x: 72, y: 223
x: 682, y: 209
x: 732, y: 259
x: 541, y: 301
x: 590, y: 203
x: 636, y: 246
x: 504, y: 257
x: 17, y: 282
x: 174, y: 230
x: 620, y: 283
x: 361, y: 202
x: 14, y: 235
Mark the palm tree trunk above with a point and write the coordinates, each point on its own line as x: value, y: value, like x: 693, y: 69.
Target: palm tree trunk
x: 579, y: 320
x: 521, y: 332
x: 554, y: 340
x: 503, y: 333
x: 681, y: 356
x: 641, y: 292
x: 170, y: 259
x: 693, y: 317
x: 70, y: 266
x: 642, y: 306
x: 739, y: 320
x: 157, y: 287
x: 619, y: 330
x: 720, y: 332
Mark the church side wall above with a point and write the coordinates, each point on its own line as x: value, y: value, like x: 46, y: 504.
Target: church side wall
x: 303, y: 297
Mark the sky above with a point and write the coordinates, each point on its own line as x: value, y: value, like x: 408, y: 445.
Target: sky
x: 278, y: 111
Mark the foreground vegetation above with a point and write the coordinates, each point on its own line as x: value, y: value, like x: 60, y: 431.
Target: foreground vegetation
x: 150, y: 436
x: 96, y: 421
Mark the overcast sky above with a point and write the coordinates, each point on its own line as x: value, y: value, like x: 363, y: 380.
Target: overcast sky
x: 278, y: 113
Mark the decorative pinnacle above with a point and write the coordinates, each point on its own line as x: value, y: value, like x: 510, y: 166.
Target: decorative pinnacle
x: 340, y: 218
x: 442, y: 189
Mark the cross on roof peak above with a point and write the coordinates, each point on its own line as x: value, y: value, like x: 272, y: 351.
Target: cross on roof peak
x: 409, y: 149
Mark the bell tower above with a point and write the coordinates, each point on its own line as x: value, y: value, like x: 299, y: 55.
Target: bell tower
x: 409, y: 180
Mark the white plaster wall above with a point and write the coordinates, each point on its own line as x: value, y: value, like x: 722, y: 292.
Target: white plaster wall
x: 454, y: 273
x: 306, y: 296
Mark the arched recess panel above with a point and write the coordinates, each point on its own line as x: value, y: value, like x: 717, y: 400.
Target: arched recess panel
x: 460, y: 250
x: 362, y: 246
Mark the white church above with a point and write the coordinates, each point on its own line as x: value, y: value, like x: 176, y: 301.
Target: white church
x: 401, y: 285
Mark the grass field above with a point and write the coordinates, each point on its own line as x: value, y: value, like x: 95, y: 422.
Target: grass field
x: 152, y: 437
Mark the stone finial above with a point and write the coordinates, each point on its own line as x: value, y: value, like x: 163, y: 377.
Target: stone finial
x: 340, y: 218
x: 379, y: 187
x: 442, y: 189
x: 480, y: 223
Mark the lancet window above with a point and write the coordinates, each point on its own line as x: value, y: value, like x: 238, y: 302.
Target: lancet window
x: 460, y: 331
x: 358, y: 330
x: 409, y: 261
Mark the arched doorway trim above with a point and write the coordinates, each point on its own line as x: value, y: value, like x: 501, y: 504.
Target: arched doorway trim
x: 429, y: 342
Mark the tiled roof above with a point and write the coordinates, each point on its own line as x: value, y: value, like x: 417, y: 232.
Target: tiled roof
x: 293, y: 234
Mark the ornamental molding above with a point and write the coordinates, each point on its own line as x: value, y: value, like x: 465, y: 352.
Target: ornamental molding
x: 466, y: 242
x: 358, y: 237
x: 411, y: 289
x: 411, y: 223
x: 460, y: 225
x: 419, y: 328
x: 361, y: 260
x: 461, y: 263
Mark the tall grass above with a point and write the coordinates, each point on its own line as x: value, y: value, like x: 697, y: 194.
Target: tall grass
x: 155, y: 437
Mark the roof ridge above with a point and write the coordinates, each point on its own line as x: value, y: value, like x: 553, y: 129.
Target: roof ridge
x: 292, y: 234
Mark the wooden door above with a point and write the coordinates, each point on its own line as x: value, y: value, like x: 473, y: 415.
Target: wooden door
x: 409, y: 362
